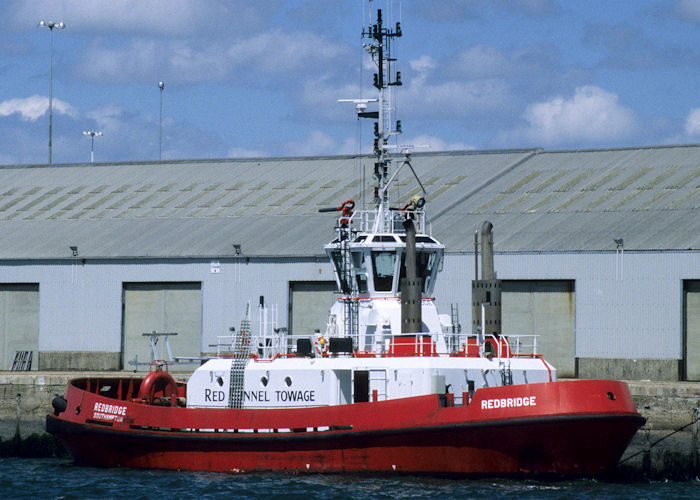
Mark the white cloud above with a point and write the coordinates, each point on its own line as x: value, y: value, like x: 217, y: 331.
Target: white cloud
x: 109, y: 117
x: 245, y: 153
x: 141, y: 59
x: 692, y: 123
x: 158, y: 17
x: 590, y: 115
x: 191, y: 60
x: 482, y: 60
x: 32, y: 108
x: 423, y: 64
x: 317, y: 143
x: 432, y: 143
x: 689, y: 9
x: 454, y: 98
x: 279, y: 51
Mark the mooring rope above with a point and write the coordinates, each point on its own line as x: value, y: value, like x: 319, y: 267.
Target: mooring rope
x: 693, y: 420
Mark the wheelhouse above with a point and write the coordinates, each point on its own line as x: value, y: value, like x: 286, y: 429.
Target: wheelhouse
x: 377, y: 262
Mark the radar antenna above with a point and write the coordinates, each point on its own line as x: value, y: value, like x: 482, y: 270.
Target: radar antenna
x: 378, y: 44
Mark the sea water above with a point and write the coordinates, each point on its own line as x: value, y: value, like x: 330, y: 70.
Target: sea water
x: 61, y: 479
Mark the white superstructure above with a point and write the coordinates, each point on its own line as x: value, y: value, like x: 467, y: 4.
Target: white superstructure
x: 363, y: 355
x: 384, y: 337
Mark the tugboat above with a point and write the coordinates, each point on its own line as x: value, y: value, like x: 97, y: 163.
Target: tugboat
x: 391, y: 386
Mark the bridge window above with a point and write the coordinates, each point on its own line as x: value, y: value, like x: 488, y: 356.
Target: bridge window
x: 340, y: 271
x: 358, y: 263
x: 425, y: 262
x: 383, y: 264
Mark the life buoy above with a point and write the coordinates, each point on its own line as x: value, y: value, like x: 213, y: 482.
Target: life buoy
x: 155, y: 382
x: 322, y: 346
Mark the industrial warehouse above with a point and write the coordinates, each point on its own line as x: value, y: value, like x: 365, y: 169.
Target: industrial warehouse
x: 598, y: 251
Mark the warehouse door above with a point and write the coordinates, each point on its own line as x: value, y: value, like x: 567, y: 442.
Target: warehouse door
x: 164, y: 308
x: 544, y: 308
x: 309, y: 304
x: 19, y: 323
x: 691, y: 329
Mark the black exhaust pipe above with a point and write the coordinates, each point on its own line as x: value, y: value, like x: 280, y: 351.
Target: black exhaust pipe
x: 411, y: 286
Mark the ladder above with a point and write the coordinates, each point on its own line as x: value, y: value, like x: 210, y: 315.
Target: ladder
x: 377, y: 382
x: 506, y: 373
x: 456, y: 327
x: 349, y: 288
x: 241, y: 356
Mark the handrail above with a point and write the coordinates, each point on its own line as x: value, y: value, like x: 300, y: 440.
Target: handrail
x: 271, y: 347
x: 364, y: 220
x: 546, y: 365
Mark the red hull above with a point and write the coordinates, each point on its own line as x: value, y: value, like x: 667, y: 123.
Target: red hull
x: 569, y: 427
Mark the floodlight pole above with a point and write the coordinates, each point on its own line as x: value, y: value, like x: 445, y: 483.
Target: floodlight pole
x: 161, y: 86
x: 51, y: 25
x: 92, y: 135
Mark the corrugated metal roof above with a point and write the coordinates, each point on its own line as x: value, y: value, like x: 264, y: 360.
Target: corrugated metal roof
x: 537, y: 200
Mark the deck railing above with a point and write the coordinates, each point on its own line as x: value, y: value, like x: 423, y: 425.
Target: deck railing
x: 266, y: 347
x: 387, y: 221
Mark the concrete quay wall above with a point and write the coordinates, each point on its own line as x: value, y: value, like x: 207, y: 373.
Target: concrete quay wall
x: 668, y: 445
x: 658, y: 450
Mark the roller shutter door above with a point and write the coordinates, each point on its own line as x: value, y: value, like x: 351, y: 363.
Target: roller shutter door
x: 163, y: 307
x: 19, y: 322
x: 691, y: 327
x: 309, y: 304
x: 545, y: 308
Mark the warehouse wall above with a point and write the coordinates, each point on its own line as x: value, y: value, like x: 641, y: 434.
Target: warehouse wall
x: 628, y: 309
x: 80, y: 304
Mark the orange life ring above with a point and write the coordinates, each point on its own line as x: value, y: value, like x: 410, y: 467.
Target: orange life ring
x: 158, y: 381
x: 321, y: 346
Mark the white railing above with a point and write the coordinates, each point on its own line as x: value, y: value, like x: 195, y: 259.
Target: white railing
x: 519, y: 345
x: 279, y: 344
x: 391, y: 221
x: 269, y: 346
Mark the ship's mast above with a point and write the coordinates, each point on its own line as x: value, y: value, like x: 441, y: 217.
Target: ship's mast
x: 379, y: 40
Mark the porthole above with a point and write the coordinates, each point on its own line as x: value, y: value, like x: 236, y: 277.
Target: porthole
x: 288, y: 381
x: 220, y: 381
x: 263, y: 381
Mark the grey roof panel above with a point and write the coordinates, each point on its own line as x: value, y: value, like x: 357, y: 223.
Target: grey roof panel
x: 537, y: 200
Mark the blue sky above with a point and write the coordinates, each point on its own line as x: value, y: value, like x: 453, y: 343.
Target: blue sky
x: 262, y: 78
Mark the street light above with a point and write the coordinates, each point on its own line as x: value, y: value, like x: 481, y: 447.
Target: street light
x: 59, y: 26
x: 161, y: 86
x: 92, y: 142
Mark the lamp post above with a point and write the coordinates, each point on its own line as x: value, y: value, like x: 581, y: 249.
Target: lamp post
x: 92, y: 135
x: 161, y: 86
x: 59, y: 26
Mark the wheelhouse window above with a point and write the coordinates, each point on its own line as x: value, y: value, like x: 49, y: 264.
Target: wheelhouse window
x: 340, y: 271
x: 383, y: 265
x: 425, y: 262
x: 360, y: 270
